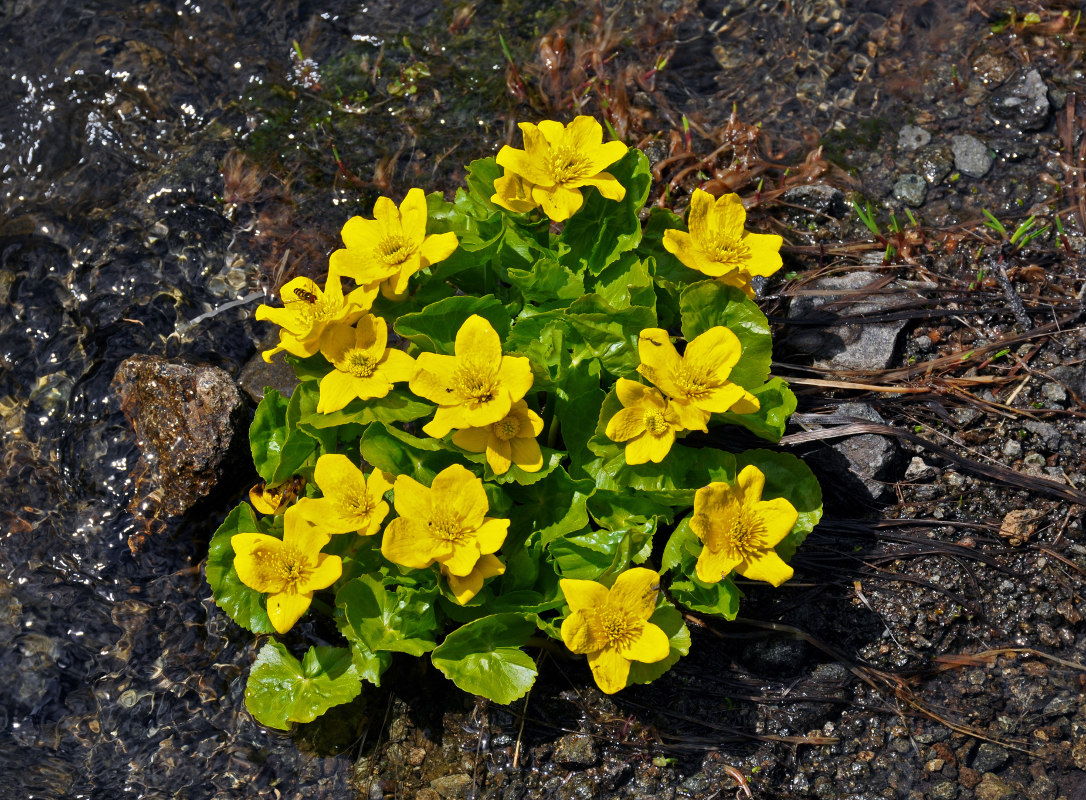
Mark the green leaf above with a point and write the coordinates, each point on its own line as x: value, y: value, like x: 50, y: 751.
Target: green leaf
x: 776, y: 405
x: 788, y: 477
x: 399, y: 405
x: 602, y: 229
x: 670, y: 620
x: 369, y: 665
x: 247, y: 607
x: 542, y: 339
x: 625, y: 283
x: 682, y: 546
x: 720, y: 599
x: 484, y: 657
x: 592, y: 555
x: 401, y: 453
x: 708, y: 304
x: 548, y: 284
x: 280, y: 690
x: 552, y: 507
x: 669, y: 271
x: 609, y: 334
x: 434, y: 328
x: 278, y: 448
x: 312, y: 368
x: 401, y: 620
x: 578, y: 398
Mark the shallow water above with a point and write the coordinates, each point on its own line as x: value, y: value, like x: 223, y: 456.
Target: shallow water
x: 122, y: 676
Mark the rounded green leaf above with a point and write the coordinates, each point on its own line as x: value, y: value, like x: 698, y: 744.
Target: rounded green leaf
x: 280, y: 690
x: 671, y: 621
x: 708, y: 304
x: 484, y: 657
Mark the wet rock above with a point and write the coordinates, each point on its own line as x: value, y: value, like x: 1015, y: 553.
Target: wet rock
x: 912, y: 137
x: 451, y: 787
x: 1048, y: 433
x: 775, y: 655
x: 919, y: 470
x: 818, y: 197
x: 934, y: 163
x: 1022, y: 103
x: 859, y: 468
x: 1012, y: 449
x: 189, y: 419
x: 576, y: 752
x: 258, y: 374
x: 944, y: 790
x: 971, y: 156
x: 851, y: 343
x: 1054, y: 393
x: 992, y: 788
x: 993, y: 68
x: 1018, y: 525
x: 577, y: 787
x: 911, y: 190
x: 989, y: 757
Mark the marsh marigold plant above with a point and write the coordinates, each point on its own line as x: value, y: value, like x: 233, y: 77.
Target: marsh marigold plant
x: 497, y: 436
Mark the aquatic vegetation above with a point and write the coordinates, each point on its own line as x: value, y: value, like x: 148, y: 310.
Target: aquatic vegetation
x: 519, y: 396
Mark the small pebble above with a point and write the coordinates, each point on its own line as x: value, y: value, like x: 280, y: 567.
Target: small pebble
x: 971, y: 156
x: 911, y: 190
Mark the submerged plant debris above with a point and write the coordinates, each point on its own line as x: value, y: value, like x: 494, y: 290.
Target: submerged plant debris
x: 932, y: 641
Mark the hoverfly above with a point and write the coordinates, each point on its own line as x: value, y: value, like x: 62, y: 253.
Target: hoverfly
x: 302, y: 294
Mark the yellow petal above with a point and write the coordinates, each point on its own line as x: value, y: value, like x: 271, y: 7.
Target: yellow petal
x: 490, y: 536
x: 438, y: 247
x: 610, y: 669
x: 337, y: 389
x: 765, y: 255
x: 558, y: 202
x: 777, y: 517
x: 634, y: 591
x: 515, y: 374
x: 699, y: 220
x: 714, y: 567
x: 472, y: 439
x: 730, y: 216
x: 690, y: 417
x: 457, y: 489
x: 413, y: 216
x: 605, y: 183
x: 336, y: 340
x: 658, y: 355
x: 478, y: 340
x: 326, y: 572
x: 633, y: 394
x: 526, y: 454
x: 335, y: 473
x: 397, y: 366
x: 465, y: 588
x: 463, y: 558
x: 435, y: 378
x: 718, y: 347
x: 649, y: 447
x: 583, y: 595
x: 301, y: 533
x: 626, y: 424
x: 250, y: 552
x: 408, y: 543
x: 285, y: 609
x: 579, y: 636
x: 499, y: 454
x: 360, y: 234
x: 768, y: 567
x: 652, y: 645
x: 750, y: 483
x: 412, y: 499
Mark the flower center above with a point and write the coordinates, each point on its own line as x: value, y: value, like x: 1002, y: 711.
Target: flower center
x: 730, y: 252
x: 506, y: 429
x: 655, y: 423
x: 448, y: 527
x: 358, y: 363
x: 477, y: 384
x: 693, y: 381
x: 618, y: 627
x: 312, y: 313
x: 567, y: 164
x: 356, y: 502
x: 740, y: 535
x: 285, y: 566
x: 394, y: 250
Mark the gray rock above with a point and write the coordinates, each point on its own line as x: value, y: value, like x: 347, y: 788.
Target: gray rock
x: 992, y: 788
x: 989, y: 757
x: 944, y: 790
x: 1012, y: 449
x: 576, y: 751
x: 912, y: 137
x: 851, y: 344
x: 1022, y: 103
x: 918, y: 470
x: 818, y: 197
x: 934, y: 163
x: 971, y: 156
x: 870, y: 459
x: 911, y: 190
x: 1054, y: 393
x: 1046, y: 432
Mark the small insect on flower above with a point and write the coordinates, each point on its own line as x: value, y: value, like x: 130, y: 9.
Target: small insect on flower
x: 303, y: 295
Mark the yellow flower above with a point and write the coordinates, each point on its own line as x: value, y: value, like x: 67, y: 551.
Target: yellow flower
x: 740, y: 529
x: 467, y: 587
x: 351, y: 502
x: 391, y: 247
x: 611, y: 626
x: 274, y: 499
x: 647, y: 423
x: 556, y: 161
x: 364, y: 367
x: 288, y: 570
x: 447, y: 524
x: 718, y: 246
x: 697, y: 381
x: 510, y: 440
x: 514, y: 193
x: 475, y: 387
x: 307, y: 311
